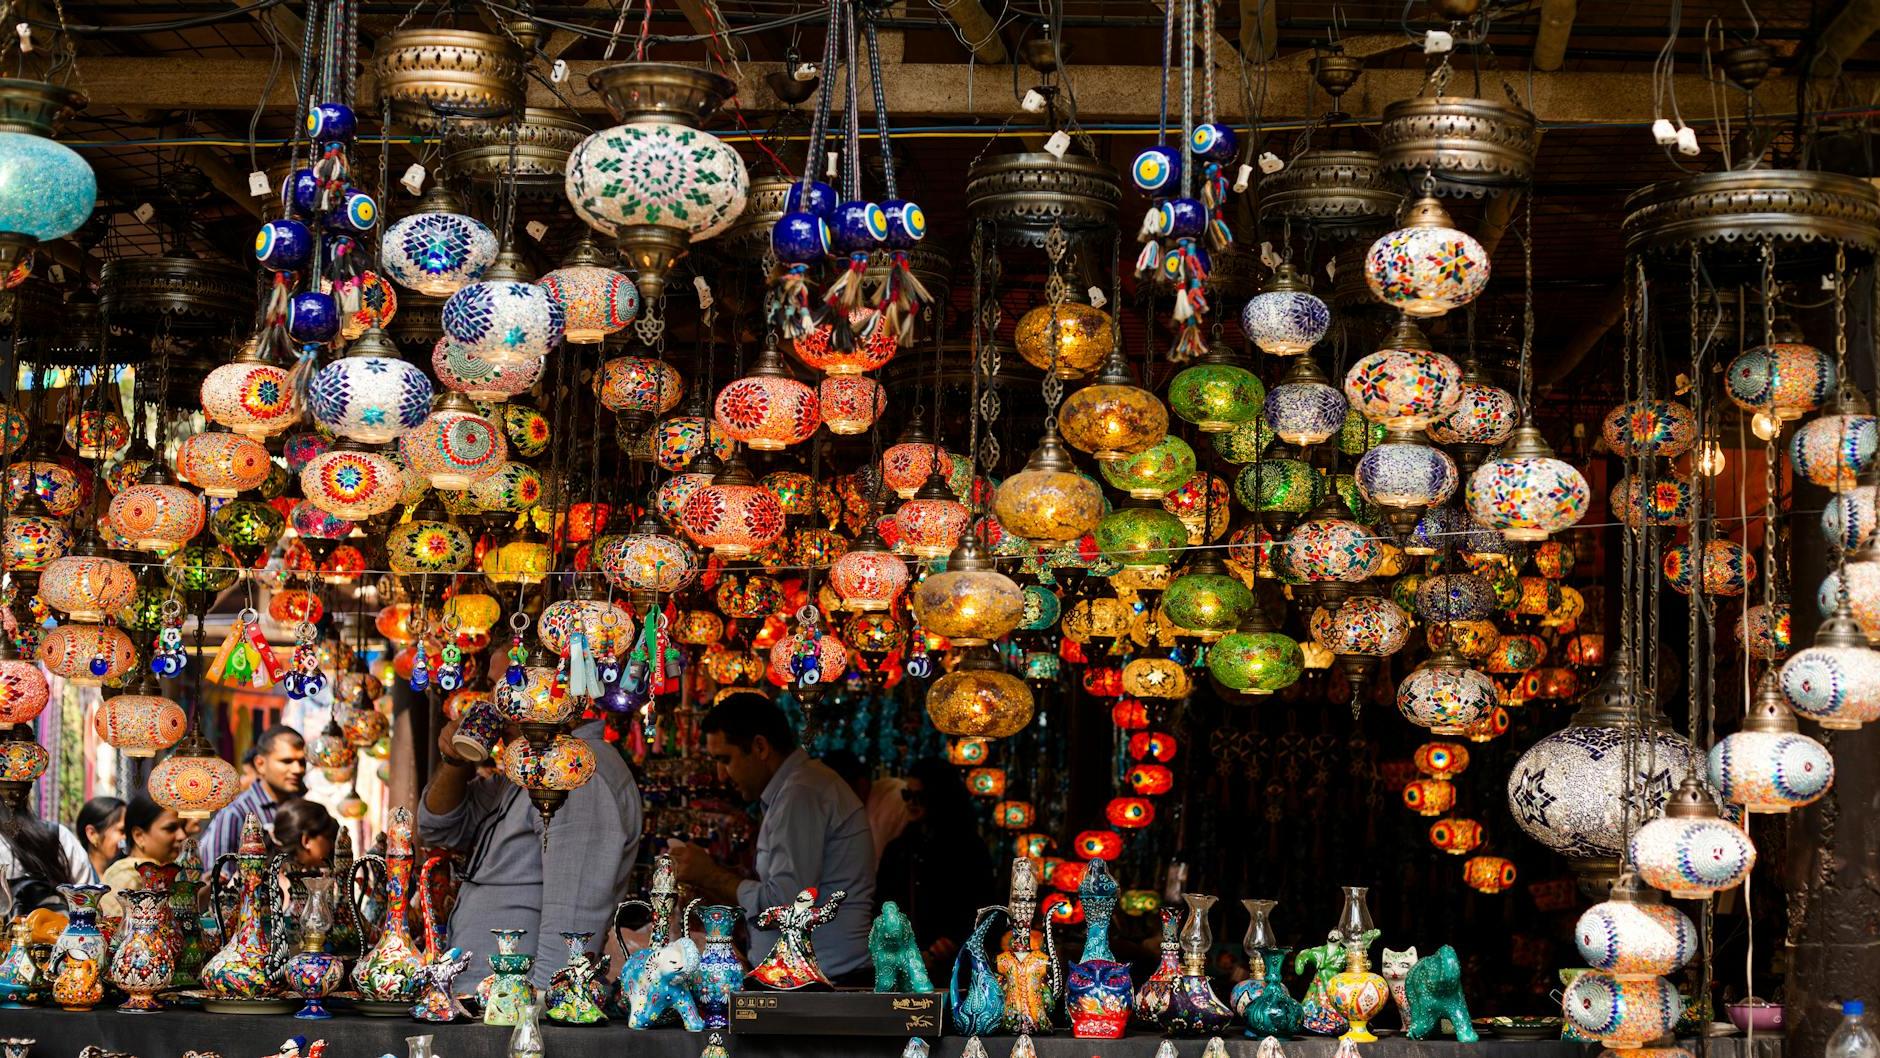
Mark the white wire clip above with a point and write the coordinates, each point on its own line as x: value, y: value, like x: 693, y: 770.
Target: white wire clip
x: 1687, y: 141
x: 1059, y: 142
x: 413, y: 180
x: 558, y: 72
x: 1664, y: 132
x: 1098, y: 298
x: 1438, y: 42
x: 26, y: 35
x: 1033, y: 103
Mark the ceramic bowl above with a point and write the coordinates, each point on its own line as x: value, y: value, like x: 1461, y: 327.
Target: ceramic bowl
x: 1764, y: 1016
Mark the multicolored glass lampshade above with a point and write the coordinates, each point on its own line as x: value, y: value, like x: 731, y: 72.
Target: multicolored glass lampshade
x: 850, y: 403
x: 208, y: 568
x: 427, y: 545
x: 512, y: 486
x: 1729, y: 568
x: 1406, y: 473
x: 970, y: 602
x: 1485, y: 415
x: 1832, y: 450
x: 1207, y: 600
x: 87, y: 588
x: 1650, y: 428
x: 1428, y: 266
x: 1663, y: 500
x: 1285, y: 318
x: 1445, y: 695
x: 1458, y: 837
x: 23, y: 689
x: 1152, y: 472
x: 1154, y: 677
x: 767, y: 409
x: 979, y: 699
x: 192, y: 781
x: 1281, y: 485
x: 595, y: 300
x: 1304, y: 408
x: 437, y: 248
x: 525, y: 560
x: 1405, y: 384
x: 49, y: 189
x: 1140, y: 536
x: 1768, y: 765
x: 1623, y: 1015
x: 869, y: 577
x: 370, y: 395
x: 140, y: 724
x: 656, y: 185
x: 250, y: 395
x: 1835, y: 681
x: 1256, y: 659
x: 1333, y: 549
x: 1633, y: 937
x: 1112, y: 417
x: 565, y: 763
x: 1049, y: 502
x: 455, y: 446
x: 1785, y: 379
x: 1246, y: 442
x: 352, y: 483
x: 733, y: 516
x: 87, y: 654
x: 222, y: 464
x: 1691, y: 851
x: 609, y: 626
x: 639, y: 385
x: 1085, y: 337
x: 1429, y: 797
x: 1216, y: 393
x: 1361, y: 624
x: 1527, y: 494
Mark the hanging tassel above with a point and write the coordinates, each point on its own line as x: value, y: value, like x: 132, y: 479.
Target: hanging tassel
x: 1148, y: 260
x: 583, y: 679
x: 790, y: 309
x: 901, y: 296
x: 845, y: 295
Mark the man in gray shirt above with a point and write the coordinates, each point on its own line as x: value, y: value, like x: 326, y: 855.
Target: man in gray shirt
x: 513, y: 882
x: 814, y: 834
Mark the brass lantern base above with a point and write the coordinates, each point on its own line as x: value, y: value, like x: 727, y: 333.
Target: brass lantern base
x: 651, y: 251
x: 35, y: 107
x: 661, y: 91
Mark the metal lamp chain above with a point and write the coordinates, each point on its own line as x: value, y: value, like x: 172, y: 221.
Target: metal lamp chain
x: 1056, y: 292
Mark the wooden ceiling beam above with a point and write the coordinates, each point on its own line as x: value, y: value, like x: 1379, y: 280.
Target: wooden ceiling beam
x: 291, y: 27
x: 979, y: 30
x: 1550, y: 44
x: 1844, y: 34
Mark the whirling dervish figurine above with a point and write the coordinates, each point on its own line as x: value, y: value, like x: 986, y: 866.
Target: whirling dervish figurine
x: 792, y: 960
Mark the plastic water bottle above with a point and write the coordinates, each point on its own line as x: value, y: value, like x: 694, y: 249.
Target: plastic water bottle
x: 1852, y: 1038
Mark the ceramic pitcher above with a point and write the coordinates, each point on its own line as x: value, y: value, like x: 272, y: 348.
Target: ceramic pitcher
x: 192, y: 949
x: 78, y: 956
x: 392, y: 970
x: 720, y: 968
x: 146, y: 952
x: 240, y: 970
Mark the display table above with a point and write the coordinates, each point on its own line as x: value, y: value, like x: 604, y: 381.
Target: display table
x: 169, y: 1034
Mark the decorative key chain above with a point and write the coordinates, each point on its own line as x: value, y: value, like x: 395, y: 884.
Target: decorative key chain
x: 169, y: 658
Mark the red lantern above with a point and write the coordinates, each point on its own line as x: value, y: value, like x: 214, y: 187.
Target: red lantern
x: 1098, y: 844
x: 967, y: 751
x: 1429, y: 797
x: 1458, y: 837
x: 1104, y: 681
x: 1031, y: 846
x: 1129, y: 714
x: 1064, y: 910
x: 1068, y: 875
x: 1157, y: 745
x: 292, y: 605
x: 1489, y: 727
x: 986, y: 782
x: 1130, y: 813
x: 1151, y: 780
x: 1071, y: 652
x: 1586, y: 650
x: 1488, y: 874
x: 1442, y: 760
x: 1013, y: 815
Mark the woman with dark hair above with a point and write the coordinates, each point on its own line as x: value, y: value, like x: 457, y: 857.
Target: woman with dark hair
x: 152, y: 834
x: 939, y: 870
x: 36, y: 857
x: 100, y: 829
x: 305, y: 831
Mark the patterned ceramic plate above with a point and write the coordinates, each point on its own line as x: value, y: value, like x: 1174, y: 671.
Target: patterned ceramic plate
x: 217, y: 1005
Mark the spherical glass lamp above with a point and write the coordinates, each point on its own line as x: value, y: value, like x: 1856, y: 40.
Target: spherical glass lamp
x: 480, y: 379
x: 907, y: 463
x: 639, y: 385
x: 1454, y: 597
x: 1484, y: 416
x: 1085, y: 338
x: 1782, y: 380
x: 33, y: 537
x: 87, y: 654
x: 352, y: 482
x: 206, y: 569
x: 1663, y: 500
x: 767, y: 409
x: 87, y: 585
x: 192, y: 781
x: 1285, y: 318
x: 1446, y: 695
x: 1848, y: 519
x: 1729, y: 568
x: 979, y: 699
x: 222, y: 464
x: 1836, y: 681
x: 1526, y: 493
x: 370, y: 395
x: 930, y: 524
x: 248, y: 528
x: 1150, y: 473
x: 794, y: 655
x: 1112, y: 417
x: 250, y: 395
x: 1764, y: 639
x: 595, y: 300
x: 850, y: 403
x: 1333, y: 549
x: 733, y: 516
x: 869, y: 576
x: 1832, y: 450
x: 1256, y: 658
x: 1404, y: 476
x: 142, y: 723
x: 428, y: 543
x: 455, y: 446
x: 1650, y: 428
x: 1634, y: 935
x: 1691, y: 852
x: 437, y: 248
x: 1280, y: 485
x: 1623, y: 1015
x: 1138, y: 536
x: 1768, y: 765
x: 46, y: 189
x: 970, y: 602
x: 1405, y: 384
x: 1246, y: 442
x: 1426, y: 267
x: 1049, y: 502
x: 514, y: 487
x: 872, y: 345
x: 1304, y: 408
x: 1156, y: 678
x: 1361, y: 624
x: 23, y: 689
x: 1217, y: 392
x: 1097, y: 621
x: 1206, y: 599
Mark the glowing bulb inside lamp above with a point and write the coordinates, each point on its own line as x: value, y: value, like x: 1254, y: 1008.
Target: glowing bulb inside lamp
x: 1765, y: 425
x: 1710, y: 460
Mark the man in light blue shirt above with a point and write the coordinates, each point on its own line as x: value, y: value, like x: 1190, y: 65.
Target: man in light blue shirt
x: 814, y: 834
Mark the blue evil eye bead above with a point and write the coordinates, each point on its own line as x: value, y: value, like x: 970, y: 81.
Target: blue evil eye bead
x: 283, y: 245
x: 907, y: 223
x: 331, y: 122
x: 300, y: 193
x: 360, y: 213
x: 1173, y: 263
x: 1213, y: 141
x: 800, y: 238
x: 1157, y: 168
x: 819, y: 200
x: 1183, y: 218
x: 312, y: 317
x: 858, y: 227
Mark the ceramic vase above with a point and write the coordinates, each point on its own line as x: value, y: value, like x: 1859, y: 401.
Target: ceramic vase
x: 240, y: 970
x: 571, y: 999
x: 1316, y: 1014
x: 1152, y: 999
x: 1098, y: 988
x: 1194, y: 1009
x: 17, y: 971
x: 1270, y: 1010
x: 78, y: 956
x: 507, y: 992
x: 192, y: 948
x: 390, y: 971
x: 160, y: 877
x: 720, y: 969
x: 146, y: 955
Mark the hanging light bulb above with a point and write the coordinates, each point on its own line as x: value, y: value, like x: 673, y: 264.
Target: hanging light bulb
x: 437, y: 248
x: 1405, y: 384
x: 1767, y: 765
x: 1691, y: 851
x: 1427, y: 267
x: 1112, y: 417
x: 1217, y: 392
x: 970, y: 602
x: 1285, y: 318
x: 595, y: 300
x: 1049, y: 502
x: 1525, y: 492
x: 1304, y: 408
x: 767, y: 409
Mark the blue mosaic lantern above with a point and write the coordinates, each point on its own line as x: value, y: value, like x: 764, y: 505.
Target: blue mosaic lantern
x: 46, y: 189
x: 438, y: 249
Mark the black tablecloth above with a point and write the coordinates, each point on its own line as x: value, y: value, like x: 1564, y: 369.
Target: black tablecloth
x: 167, y: 1035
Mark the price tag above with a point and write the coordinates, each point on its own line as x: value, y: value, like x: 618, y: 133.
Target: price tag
x: 413, y: 180
x: 258, y: 184
x: 144, y: 212
x: 558, y: 72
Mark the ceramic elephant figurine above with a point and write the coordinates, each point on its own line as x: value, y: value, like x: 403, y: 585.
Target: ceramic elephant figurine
x: 898, y: 965
x: 664, y: 985
x: 1434, y: 988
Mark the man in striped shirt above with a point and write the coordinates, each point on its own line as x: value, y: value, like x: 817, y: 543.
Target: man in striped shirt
x: 280, y: 776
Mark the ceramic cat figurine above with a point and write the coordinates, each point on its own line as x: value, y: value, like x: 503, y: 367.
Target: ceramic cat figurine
x: 1434, y: 989
x: 1396, y: 965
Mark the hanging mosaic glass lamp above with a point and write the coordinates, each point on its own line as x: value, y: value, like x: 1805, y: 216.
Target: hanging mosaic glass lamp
x: 1304, y: 408
x: 767, y: 409
x: 656, y: 182
x: 970, y: 602
x: 1405, y: 384
x: 1085, y: 337
x: 1112, y: 417
x: 1692, y: 851
x: 1256, y: 658
x: 47, y: 190
x: 371, y: 394
x: 1207, y: 600
x: 595, y: 300
x: 1836, y: 680
x: 979, y: 699
x: 932, y: 521
x: 734, y: 515
x: 1483, y: 418
x: 1525, y: 492
x: 437, y: 248
x: 1049, y: 502
x: 1285, y: 318
x: 1216, y: 392
x: 251, y: 394
x: 1405, y: 476
x: 1426, y: 267
x: 1768, y: 765
x: 1782, y: 379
